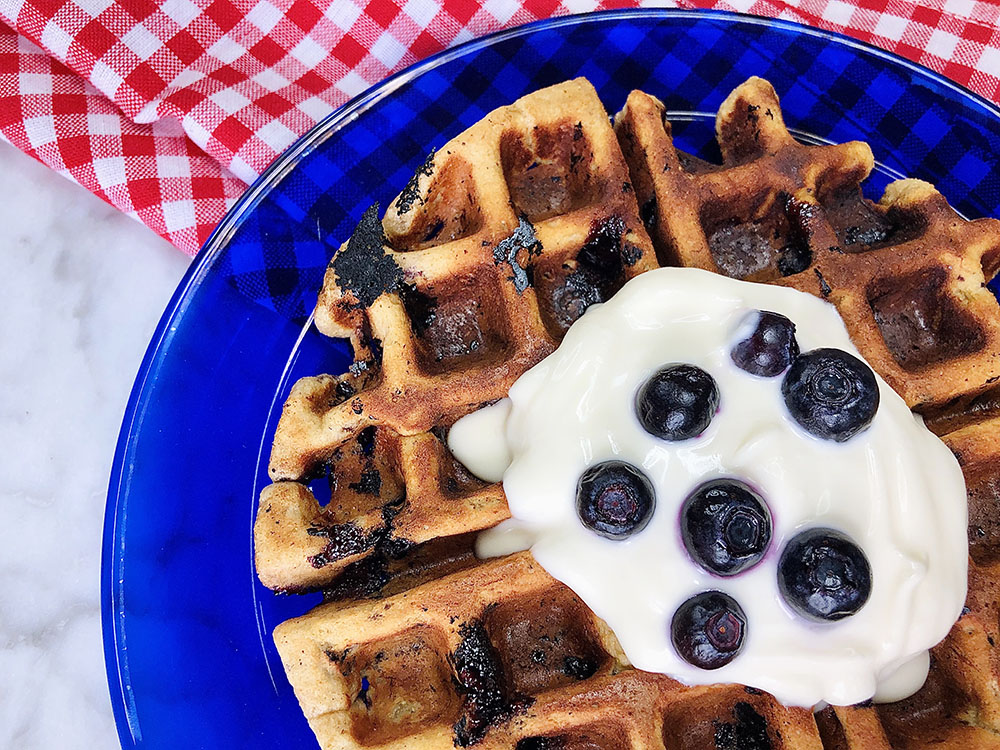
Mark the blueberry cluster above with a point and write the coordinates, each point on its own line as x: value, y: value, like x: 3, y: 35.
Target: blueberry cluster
x: 831, y: 394
x: 725, y: 524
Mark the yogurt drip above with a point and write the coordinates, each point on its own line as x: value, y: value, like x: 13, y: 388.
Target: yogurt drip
x: 894, y: 488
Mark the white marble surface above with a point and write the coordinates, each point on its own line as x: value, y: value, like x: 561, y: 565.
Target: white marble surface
x: 83, y: 287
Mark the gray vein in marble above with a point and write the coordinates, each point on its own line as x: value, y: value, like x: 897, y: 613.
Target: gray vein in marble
x: 81, y: 289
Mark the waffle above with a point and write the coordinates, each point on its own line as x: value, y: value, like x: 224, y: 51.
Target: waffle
x: 504, y: 656
x: 907, y: 274
x: 500, y: 240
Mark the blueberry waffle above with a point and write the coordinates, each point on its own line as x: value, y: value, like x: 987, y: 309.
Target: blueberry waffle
x: 498, y: 243
x: 479, y: 266
x: 907, y: 274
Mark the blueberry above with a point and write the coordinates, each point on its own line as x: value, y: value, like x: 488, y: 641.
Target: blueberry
x: 678, y: 402
x: 770, y: 349
x: 830, y: 393
x: 726, y: 526
x: 614, y: 499
x: 823, y: 575
x: 708, y: 629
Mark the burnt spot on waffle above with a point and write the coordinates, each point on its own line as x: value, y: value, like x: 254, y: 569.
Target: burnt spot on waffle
x: 516, y: 251
x: 344, y: 540
x: 411, y: 193
x: 480, y: 679
x: 747, y: 730
x: 362, y: 267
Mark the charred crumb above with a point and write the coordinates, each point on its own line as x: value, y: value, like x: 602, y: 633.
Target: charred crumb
x: 411, y: 193
x: 626, y: 187
x: 579, y: 668
x: 480, y: 680
x: 506, y: 251
x: 362, y: 267
x: 578, y: 131
x: 752, y: 690
x: 370, y: 482
x: 357, y: 406
x: 747, y: 732
x: 824, y: 287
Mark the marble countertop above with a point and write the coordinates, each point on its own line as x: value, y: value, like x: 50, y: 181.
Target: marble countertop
x: 84, y: 287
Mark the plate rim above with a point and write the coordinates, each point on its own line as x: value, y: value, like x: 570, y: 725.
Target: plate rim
x: 115, y: 515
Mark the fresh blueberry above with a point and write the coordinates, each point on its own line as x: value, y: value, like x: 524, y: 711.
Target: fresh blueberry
x: 830, y: 393
x: 726, y: 526
x: 678, y: 402
x: 614, y: 499
x: 708, y: 629
x: 823, y: 575
x: 770, y: 349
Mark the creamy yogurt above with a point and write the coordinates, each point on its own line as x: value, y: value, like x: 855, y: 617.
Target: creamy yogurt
x: 894, y: 488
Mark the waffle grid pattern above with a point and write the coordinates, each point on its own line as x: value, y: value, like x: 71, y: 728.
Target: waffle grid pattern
x: 501, y: 240
x: 436, y: 662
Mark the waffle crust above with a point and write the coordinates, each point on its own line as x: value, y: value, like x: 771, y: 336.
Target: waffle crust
x: 474, y: 273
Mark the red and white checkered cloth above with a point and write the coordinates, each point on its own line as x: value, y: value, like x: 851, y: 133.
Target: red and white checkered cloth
x: 167, y: 110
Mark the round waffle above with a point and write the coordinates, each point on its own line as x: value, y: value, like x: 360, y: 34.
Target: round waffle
x: 498, y: 243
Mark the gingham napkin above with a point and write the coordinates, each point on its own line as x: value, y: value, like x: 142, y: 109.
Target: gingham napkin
x: 167, y: 111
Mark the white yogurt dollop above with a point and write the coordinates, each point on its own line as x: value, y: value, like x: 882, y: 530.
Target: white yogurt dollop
x: 894, y: 488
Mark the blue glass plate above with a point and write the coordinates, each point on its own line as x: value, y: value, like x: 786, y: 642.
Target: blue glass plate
x: 186, y: 625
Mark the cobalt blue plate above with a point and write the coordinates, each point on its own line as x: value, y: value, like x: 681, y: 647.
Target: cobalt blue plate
x: 186, y: 624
